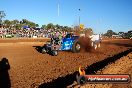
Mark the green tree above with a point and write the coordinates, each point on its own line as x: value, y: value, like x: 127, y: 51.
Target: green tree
x: 14, y: 23
x: 18, y: 26
x: 36, y: 25
x: 128, y: 34
x: 24, y: 21
x: 7, y: 23
x: 43, y: 26
x: 110, y: 33
x: 57, y: 26
x: 50, y: 26
x: 31, y: 24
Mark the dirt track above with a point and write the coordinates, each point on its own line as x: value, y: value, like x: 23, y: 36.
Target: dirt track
x: 30, y: 68
x: 121, y: 66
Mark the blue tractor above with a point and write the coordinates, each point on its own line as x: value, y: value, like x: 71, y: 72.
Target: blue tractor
x: 69, y: 43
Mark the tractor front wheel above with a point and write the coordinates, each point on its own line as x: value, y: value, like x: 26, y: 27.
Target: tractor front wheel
x: 43, y: 50
x: 54, y: 53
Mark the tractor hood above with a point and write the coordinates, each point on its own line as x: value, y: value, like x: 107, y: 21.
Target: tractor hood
x: 70, y: 39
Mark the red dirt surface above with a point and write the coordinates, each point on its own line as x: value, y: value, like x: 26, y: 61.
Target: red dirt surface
x: 121, y: 66
x: 15, y: 40
x: 30, y: 68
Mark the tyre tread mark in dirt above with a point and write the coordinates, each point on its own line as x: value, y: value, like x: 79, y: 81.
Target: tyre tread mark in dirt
x: 63, y: 82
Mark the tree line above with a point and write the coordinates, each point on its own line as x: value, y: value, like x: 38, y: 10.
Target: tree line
x: 16, y: 24
x: 128, y: 34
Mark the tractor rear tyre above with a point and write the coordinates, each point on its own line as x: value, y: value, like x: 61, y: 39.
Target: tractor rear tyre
x: 76, y: 47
